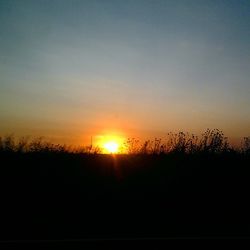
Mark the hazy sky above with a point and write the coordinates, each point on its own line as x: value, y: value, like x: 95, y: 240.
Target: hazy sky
x: 71, y: 69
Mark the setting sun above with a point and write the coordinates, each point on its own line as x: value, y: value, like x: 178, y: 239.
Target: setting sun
x: 110, y: 143
x: 111, y: 147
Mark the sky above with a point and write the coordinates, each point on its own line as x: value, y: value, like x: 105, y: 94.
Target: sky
x: 74, y: 69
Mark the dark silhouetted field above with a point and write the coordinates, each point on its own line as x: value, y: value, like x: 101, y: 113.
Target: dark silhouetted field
x: 56, y: 194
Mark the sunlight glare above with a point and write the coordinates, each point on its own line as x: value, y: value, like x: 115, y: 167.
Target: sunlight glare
x: 110, y: 143
x: 111, y: 147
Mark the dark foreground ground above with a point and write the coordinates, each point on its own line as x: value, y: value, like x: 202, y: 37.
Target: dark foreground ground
x: 73, y: 196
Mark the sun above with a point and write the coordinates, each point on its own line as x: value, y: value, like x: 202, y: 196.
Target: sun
x: 111, y: 147
x: 110, y: 143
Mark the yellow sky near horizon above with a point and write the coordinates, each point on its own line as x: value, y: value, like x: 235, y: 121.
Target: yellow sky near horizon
x: 72, y: 133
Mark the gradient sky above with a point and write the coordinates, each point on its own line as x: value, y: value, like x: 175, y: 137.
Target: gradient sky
x: 72, y: 69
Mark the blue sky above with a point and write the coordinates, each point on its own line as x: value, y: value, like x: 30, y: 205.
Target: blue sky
x: 69, y: 69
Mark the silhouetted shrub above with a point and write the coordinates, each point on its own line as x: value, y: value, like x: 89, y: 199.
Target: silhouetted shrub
x: 246, y: 145
x: 22, y: 145
x: 132, y: 146
x: 7, y: 143
x: 177, y: 143
x: 213, y: 141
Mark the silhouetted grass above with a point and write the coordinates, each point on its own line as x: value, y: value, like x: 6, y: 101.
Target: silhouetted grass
x: 187, y: 186
x: 211, y: 141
